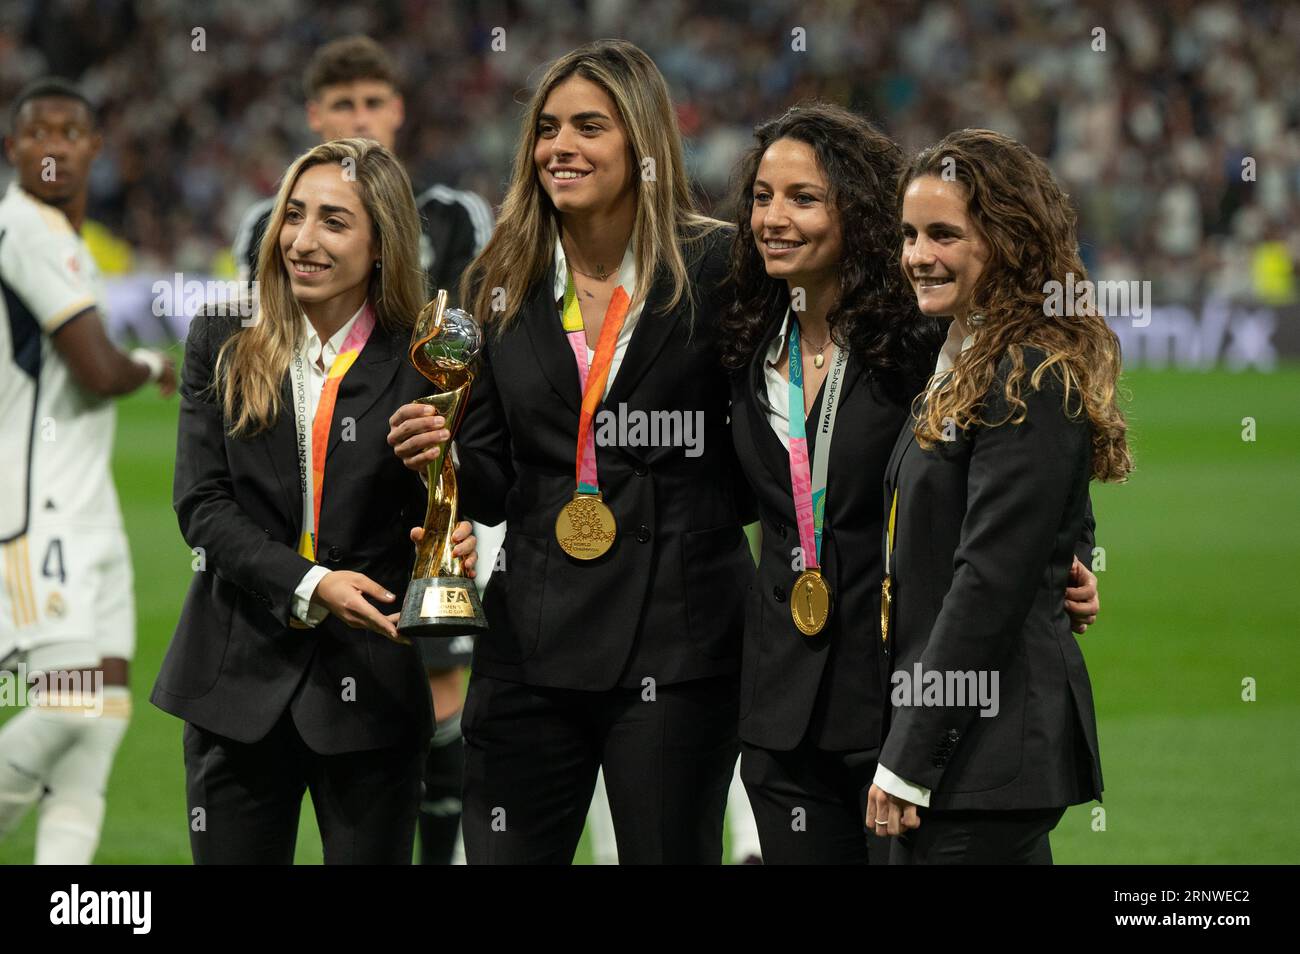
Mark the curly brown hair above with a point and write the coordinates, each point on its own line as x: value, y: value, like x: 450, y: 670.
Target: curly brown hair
x: 875, y: 315
x: 1029, y: 227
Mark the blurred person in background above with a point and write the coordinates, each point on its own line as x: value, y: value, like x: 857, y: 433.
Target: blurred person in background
x: 67, y: 609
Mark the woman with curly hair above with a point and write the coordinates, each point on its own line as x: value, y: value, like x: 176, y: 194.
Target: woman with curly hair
x: 992, y: 733
x: 825, y: 343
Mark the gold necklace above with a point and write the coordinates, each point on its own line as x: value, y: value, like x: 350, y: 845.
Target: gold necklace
x: 601, y: 272
x: 818, y: 359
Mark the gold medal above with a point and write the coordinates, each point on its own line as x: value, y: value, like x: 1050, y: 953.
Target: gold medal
x: 810, y: 602
x: 585, y: 527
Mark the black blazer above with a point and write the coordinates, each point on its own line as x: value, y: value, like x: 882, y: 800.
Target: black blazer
x: 986, y: 531
x: 234, y: 663
x: 829, y: 686
x: 666, y: 601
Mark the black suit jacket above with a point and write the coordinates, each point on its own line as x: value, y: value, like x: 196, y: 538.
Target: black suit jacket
x: 234, y: 663
x: 666, y: 601
x: 986, y: 531
x: 829, y: 686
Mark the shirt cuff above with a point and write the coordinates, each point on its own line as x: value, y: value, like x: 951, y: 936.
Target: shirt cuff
x: 303, y: 610
x: 901, y: 788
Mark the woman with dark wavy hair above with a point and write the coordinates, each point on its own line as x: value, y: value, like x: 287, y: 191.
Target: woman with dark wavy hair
x: 826, y: 344
x: 989, y: 494
x: 822, y: 334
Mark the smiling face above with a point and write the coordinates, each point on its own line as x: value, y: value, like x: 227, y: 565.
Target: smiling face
x: 57, y: 128
x: 326, y: 241
x: 943, y: 252
x: 581, y: 153
x: 364, y: 109
x: 797, y: 232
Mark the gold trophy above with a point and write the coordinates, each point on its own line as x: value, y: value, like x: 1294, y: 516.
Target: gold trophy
x: 441, y: 601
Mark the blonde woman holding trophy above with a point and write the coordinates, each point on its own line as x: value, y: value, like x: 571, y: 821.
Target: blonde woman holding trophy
x: 286, y: 664
x: 597, y: 428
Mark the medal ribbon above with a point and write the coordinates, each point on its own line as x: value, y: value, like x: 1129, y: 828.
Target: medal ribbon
x: 317, y: 442
x: 810, y: 488
x: 592, y: 381
x: 889, y: 540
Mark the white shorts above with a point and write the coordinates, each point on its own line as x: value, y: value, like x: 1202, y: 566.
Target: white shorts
x: 67, y: 600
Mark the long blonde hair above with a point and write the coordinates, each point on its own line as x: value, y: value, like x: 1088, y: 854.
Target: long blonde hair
x: 1029, y: 227
x: 523, y: 243
x: 252, y: 363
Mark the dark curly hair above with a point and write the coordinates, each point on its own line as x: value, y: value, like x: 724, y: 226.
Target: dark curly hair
x: 875, y: 316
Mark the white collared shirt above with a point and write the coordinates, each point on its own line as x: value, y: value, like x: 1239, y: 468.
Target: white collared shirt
x: 953, y: 346
x: 627, y: 279
x: 317, y: 357
x: 778, y: 388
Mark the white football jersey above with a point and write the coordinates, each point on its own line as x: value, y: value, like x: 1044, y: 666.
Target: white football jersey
x: 57, y: 437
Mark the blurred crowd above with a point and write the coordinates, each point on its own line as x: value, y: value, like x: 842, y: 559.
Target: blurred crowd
x: 1175, y: 126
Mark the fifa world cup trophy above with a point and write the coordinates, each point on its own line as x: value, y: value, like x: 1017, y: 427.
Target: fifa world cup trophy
x: 441, y: 601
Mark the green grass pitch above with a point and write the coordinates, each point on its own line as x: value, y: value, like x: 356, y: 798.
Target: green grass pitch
x: 1196, y: 598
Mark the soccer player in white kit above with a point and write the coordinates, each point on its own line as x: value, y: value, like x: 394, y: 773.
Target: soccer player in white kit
x: 67, y: 612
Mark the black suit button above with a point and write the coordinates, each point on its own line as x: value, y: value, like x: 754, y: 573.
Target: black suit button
x: 643, y: 534
x: 641, y: 470
x: 780, y: 528
x: 953, y: 735
x: 778, y: 594
x: 334, y: 554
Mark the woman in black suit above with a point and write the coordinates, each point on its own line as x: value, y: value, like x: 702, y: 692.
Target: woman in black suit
x: 298, y: 516
x: 598, y: 430
x: 815, y: 274
x: 993, y: 733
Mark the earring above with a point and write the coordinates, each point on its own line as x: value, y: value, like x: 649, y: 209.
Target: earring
x: 378, y: 263
x: 975, y: 320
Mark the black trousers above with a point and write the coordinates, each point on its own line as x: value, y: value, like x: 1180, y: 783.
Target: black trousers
x: 978, y: 838
x: 810, y: 805
x: 244, y: 799
x: 532, y: 753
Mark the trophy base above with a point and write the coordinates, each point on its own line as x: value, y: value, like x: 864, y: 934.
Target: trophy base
x: 441, y: 606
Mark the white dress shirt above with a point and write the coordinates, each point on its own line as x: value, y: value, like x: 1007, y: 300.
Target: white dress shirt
x: 627, y: 279
x: 953, y: 345
x: 317, y: 357
x: 778, y: 388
